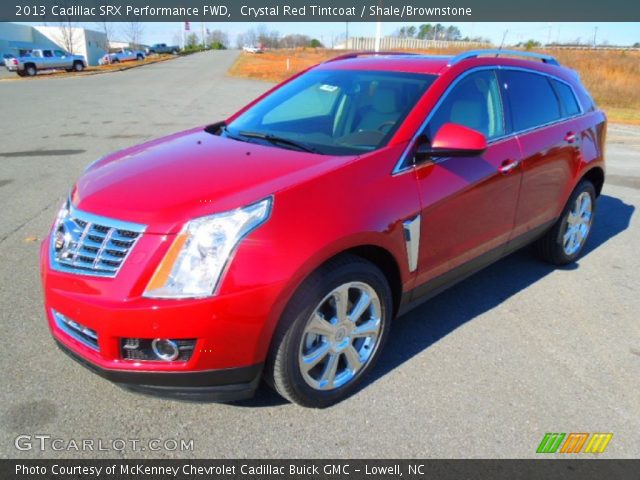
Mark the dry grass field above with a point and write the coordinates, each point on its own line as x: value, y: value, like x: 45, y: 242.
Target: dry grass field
x: 612, y: 77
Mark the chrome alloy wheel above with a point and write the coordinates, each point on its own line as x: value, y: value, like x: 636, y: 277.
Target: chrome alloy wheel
x: 578, y: 224
x: 341, y: 336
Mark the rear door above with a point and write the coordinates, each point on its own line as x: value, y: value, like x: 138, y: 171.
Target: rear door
x: 48, y: 60
x: 469, y: 203
x: 549, y: 137
x: 61, y: 59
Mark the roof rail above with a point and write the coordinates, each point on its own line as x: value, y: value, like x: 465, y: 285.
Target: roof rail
x: 366, y: 53
x: 476, y: 53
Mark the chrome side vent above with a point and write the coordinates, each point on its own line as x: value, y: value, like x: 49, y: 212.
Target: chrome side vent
x: 72, y: 328
x: 412, y: 241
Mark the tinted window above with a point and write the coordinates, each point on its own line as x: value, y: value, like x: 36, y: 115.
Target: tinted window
x: 317, y: 101
x: 47, y: 53
x: 474, y: 102
x: 567, y: 98
x: 533, y: 101
x: 58, y: 53
x: 335, y: 111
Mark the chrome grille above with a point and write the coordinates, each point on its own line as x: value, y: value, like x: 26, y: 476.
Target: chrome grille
x: 89, y: 244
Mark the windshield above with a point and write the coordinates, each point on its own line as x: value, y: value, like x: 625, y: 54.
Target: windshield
x: 339, y: 112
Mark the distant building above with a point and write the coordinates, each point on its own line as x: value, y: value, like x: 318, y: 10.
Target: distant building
x: 15, y: 38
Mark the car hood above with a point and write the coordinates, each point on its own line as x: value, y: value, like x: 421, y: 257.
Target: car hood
x: 165, y: 182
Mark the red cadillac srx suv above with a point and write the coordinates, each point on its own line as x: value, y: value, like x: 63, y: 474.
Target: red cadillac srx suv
x: 282, y: 242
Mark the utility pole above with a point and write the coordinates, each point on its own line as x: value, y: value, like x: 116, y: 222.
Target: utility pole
x: 378, y: 35
x: 204, y: 42
x: 595, y: 35
x: 346, y: 38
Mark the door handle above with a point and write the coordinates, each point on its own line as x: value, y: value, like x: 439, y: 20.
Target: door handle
x: 507, y: 166
x: 570, y: 137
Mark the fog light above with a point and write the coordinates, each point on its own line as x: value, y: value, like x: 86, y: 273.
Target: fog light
x: 149, y: 350
x: 165, y: 349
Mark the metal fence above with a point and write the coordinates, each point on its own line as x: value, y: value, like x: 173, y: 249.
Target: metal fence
x: 395, y: 43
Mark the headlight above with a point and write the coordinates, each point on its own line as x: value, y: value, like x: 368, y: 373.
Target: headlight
x: 194, y: 263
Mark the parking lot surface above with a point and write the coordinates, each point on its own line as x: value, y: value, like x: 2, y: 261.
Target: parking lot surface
x: 483, y: 370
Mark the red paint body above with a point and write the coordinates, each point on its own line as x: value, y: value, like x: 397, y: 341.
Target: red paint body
x: 322, y: 206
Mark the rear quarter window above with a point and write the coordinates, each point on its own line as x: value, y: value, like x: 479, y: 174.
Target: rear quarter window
x: 532, y: 99
x: 568, y: 100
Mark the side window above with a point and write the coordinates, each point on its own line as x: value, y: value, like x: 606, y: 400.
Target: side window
x: 47, y: 53
x: 58, y: 53
x: 474, y: 103
x: 318, y: 101
x: 567, y: 98
x: 533, y: 101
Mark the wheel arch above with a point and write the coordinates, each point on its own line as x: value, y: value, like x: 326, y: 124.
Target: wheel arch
x: 386, y: 262
x: 378, y: 254
x: 596, y: 176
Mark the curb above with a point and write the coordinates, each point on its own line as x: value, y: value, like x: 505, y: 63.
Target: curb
x: 89, y: 73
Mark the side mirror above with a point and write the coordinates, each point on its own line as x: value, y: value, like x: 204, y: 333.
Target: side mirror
x: 453, y: 140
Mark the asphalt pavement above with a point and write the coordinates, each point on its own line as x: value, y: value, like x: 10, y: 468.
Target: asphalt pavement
x: 483, y: 370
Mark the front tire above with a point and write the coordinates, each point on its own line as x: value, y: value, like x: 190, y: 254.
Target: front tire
x: 564, y: 243
x: 78, y: 66
x: 331, y: 333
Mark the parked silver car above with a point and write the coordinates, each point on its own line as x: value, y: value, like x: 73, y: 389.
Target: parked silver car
x: 37, y: 60
x: 122, y: 55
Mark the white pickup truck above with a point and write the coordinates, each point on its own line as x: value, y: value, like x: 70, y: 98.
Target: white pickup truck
x: 45, y: 59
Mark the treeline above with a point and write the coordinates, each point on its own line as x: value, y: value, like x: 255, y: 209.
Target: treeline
x: 429, y: 31
x: 265, y: 38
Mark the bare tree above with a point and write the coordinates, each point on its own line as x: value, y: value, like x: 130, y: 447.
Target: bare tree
x: 132, y: 31
x: 217, y: 39
x: 240, y: 40
x: 294, y: 40
x: 67, y: 34
x: 108, y: 28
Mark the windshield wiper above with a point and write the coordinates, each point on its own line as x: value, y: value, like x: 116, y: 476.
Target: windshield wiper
x: 227, y: 133
x: 281, y: 140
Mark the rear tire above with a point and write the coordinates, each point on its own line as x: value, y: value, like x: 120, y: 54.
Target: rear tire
x: 21, y: 73
x: 30, y: 70
x: 564, y: 243
x: 320, y: 369
x: 139, y: 58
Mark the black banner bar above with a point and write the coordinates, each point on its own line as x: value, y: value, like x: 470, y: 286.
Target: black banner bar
x: 319, y: 469
x: 320, y: 11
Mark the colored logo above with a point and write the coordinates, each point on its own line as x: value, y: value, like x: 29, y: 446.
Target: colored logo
x: 573, y: 443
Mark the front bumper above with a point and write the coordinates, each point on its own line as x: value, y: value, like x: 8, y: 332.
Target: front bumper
x: 226, y: 385
x: 232, y: 331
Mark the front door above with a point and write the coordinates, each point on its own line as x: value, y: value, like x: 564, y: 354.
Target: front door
x: 468, y: 203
